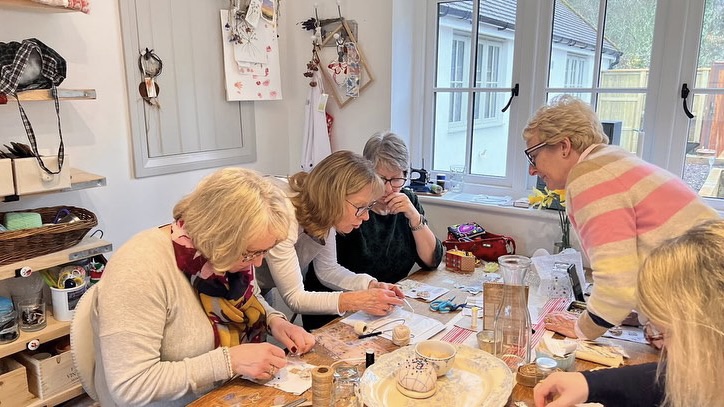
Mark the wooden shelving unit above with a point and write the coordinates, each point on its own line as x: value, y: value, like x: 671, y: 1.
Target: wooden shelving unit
x: 34, y: 6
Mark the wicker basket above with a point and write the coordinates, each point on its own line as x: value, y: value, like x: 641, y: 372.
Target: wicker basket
x: 18, y: 245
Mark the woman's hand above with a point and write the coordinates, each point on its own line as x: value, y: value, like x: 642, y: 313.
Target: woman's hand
x: 294, y: 337
x: 260, y: 361
x: 375, y: 301
x: 561, y: 389
x: 399, y: 203
x: 387, y: 286
x: 562, y: 322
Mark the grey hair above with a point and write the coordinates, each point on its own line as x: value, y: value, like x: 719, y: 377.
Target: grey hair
x: 388, y: 150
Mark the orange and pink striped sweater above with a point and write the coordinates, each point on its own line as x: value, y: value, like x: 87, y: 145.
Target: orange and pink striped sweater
x: 621, y: 208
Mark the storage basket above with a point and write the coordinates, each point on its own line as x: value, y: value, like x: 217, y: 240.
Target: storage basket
x: 18, y: 245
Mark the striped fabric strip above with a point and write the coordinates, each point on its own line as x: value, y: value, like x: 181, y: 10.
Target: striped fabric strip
x: 456, y: 335
x: 553, y: 305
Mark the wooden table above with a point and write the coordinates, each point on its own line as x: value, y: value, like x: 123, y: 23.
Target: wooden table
x: 241, y: 391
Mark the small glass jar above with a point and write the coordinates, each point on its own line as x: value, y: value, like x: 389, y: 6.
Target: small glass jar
x: 544, y: 367
x: 346, y: 389
x: 8, y: 326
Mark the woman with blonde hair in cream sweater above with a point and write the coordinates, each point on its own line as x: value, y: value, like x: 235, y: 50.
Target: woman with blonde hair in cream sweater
x: 178, y: 309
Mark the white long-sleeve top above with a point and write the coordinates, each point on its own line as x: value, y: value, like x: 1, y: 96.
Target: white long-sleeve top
x: 286, y: 263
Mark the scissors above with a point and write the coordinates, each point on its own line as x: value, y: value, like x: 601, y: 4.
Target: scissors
x: 445, y: 306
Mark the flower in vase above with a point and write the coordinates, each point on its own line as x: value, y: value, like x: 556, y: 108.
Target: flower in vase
x: 554, y: 199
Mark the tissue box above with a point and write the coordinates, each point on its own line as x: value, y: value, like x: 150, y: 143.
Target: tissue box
x: 7, y: 186
x: 31, y: 179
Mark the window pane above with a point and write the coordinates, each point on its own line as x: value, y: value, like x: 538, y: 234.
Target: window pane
x: 628, y: 39
x: 705, y: 140
x: 449, y: 135
x: 453, y: 44
x: 490, y: 135
x: 573, y: 43
x: 622, y: 116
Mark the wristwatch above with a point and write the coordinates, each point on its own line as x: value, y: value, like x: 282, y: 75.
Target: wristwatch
x: 422, y: 224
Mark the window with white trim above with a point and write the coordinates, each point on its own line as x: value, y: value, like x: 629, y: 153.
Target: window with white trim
x: 628, y: 58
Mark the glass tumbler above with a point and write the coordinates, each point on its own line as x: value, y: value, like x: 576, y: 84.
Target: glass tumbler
x: 346, y: 390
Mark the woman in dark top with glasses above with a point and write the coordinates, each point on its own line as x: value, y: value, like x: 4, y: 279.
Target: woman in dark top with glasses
x: 396, y: 236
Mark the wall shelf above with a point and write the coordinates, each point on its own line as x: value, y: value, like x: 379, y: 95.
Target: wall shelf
x: 57, y: 398
x: 54, y: 330
x: 34, y: 6
x: 79, y: 179
x: 63, y: 94
x: 88, y: 247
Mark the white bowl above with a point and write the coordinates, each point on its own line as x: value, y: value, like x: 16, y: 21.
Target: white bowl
x: 440, y: 354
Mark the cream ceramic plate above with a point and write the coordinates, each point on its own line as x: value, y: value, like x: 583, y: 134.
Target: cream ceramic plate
x: 476, y: 379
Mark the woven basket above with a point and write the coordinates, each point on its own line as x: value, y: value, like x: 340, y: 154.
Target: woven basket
x: 18, y: 245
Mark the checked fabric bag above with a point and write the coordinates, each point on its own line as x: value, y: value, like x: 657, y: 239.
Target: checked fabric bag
x: 28, y: 65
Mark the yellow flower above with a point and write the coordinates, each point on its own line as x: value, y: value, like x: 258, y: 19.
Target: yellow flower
x: 545, y: 199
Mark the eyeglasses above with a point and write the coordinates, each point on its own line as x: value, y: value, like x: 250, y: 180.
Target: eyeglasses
x: 361, y: 210
x: 394, y: 182
x: 249, y: 256
x: 528, y: 151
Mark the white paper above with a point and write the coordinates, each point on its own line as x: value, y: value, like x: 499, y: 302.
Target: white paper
x: 416, y: 289
x: 294, y: 378
x: 421, y: 327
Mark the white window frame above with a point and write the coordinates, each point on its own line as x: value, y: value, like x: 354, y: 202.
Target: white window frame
x: 674, y: 59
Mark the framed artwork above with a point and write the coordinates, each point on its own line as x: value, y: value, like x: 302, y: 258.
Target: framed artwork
x: 343, y: 65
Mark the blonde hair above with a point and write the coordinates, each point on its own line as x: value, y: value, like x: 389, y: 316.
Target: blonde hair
x: 681, y: 289
x: 321, y: 194
x: 388, y: 150
x: 566, y: 116
x: 227, y: 210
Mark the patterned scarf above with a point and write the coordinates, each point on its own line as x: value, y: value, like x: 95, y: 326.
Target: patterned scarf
x: 228, y: 299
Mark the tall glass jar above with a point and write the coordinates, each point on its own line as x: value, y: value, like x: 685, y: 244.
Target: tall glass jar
x: 512, y: 327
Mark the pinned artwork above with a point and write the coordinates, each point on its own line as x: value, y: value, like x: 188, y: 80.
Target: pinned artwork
x: 251, y: 52
x: 343, y: 64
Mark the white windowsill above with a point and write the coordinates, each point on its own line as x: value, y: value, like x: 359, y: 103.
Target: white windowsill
x: 478, y: 202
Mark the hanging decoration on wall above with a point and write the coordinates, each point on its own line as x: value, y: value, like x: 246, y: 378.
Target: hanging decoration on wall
x: 251, y: 50
x: 316, y: 138
x: 151, y: 66
x: 342, y: 62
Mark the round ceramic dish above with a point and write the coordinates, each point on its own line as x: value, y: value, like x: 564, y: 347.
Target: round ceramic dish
x: 476, y: 379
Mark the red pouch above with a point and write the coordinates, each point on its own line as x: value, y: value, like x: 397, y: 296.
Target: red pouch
x: 487, y: 247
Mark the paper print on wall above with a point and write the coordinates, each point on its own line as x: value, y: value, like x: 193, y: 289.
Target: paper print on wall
x: 251, y: 57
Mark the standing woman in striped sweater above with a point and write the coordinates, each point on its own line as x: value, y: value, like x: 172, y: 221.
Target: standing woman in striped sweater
x: 620, y: 206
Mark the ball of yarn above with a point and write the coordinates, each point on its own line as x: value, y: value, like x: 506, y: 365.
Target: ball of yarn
x: 401, y: 335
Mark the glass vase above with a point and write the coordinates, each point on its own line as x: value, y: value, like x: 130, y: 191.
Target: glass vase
x: 512, y: 327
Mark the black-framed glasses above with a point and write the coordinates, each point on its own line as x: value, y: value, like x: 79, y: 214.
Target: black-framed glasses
x: 360, y: 210
x: 529, y: 151
x: 394, y: 182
